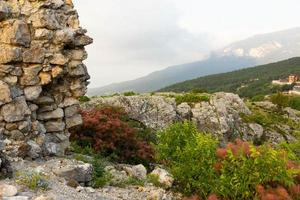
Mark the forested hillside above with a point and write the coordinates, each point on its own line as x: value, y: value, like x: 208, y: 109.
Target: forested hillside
x: 246, y: 82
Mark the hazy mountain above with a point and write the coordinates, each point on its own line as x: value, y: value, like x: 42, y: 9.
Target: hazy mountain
x: 259, y: 49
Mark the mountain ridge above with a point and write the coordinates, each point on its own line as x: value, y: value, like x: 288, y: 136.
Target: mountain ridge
x: 258, y: 49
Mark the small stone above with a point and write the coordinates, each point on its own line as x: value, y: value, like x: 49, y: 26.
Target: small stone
x: 137, y: 171
x: 72, y: 183
x: 71, y: 110
x: 5, y: 96
x: 45, y: 78
x: 16, y: 33
x: 73, y: 121
x: 55, y: 126
x: 35, y: 149
x: 43, y: 197
x: 8, y: 190
x: 59, y: 59
x: 79, y: 171
x: 164, y: 177
x: 56, y: 71
x: 10, y: 54
x: 34, y: 55
x: 32, y: 92
x: 43, y: 34
x: 56, y: 114
x: 16, y: 110
x: 30, y: 76
x: 16, y: 198
x: 5, y: 10
x: 90, y: 190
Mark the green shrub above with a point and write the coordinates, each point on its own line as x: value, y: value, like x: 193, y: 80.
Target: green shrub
x: 191, y: 98
x: 280, y: 100
x: 33, y: 180
x: 234, y: 172
x: 129, y: 93
x: 294, y: 102
x: 131, y: 181
x: 190, y: 157
x: 83, y: 99
x: 154, y: 179
x: 293, y: 150
x: 243, y: 167
x: 258, y: 98
x: 100, y: 176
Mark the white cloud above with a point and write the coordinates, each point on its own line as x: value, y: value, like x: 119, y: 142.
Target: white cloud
x: 135, y: 37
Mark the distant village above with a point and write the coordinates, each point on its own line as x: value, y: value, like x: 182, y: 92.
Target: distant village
x: 291, y: 80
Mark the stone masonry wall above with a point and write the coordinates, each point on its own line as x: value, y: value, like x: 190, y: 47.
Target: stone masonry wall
x: 41, y: 75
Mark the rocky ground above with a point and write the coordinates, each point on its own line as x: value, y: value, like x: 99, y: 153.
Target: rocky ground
x: 60, y: 172
x: 223, y: 115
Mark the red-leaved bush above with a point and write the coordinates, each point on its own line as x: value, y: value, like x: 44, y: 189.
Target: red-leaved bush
x: 105, y: 131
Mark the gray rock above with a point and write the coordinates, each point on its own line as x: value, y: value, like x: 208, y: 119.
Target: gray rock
x: 35, y: 149
x: 56, y: 114
x: 137, y: 171
x: 16, y: 110
x: 54, y: 126
x: 72, y: 169
x: 16, y: 32
x: 10, y: 54
x: 5, y: 96
x: 73, y: 121
x: 16, y: 198
x: 184, y: 111
x: 34, y: 55
x: 32, y: 92
x: 155, y: 112
x: 5, y: 10
x: 8, y: 190
x: 30, y: 76
x: 164, y: 177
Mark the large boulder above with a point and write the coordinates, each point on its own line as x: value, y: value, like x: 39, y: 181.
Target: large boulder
x: 155, y: 112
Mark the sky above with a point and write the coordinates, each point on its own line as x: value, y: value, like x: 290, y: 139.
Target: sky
x: 135, y: 37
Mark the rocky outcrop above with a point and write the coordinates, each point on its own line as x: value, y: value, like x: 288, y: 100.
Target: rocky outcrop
x: 57, y: 174
x: 41, y: 75
x: 153, y: 111
x: 220, y: 116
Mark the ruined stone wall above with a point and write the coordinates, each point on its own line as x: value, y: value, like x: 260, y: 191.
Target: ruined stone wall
x: 41, y: 75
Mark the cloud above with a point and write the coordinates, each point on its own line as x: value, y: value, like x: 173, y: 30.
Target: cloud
x: 135, y: 37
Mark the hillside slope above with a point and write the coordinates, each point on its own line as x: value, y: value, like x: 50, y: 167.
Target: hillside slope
x: 259, y: 49
x: 246, y: 82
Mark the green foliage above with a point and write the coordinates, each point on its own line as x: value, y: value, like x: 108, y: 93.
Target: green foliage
x: 129, y: 93
x: 100, y: 177
x: 130, y: 181
x: 234, y: 172
x: 293, y: 150
x: 190, y: 157
x: 33, y: 180
x: 268, y: 119
x: 244, y: 167
x: 280, y: 100
x: 154, y: 179
x: 191, y: 98
x: 83, y: 99
x: 294, y: 102
x: 258, y: 98
x: 246, y: 82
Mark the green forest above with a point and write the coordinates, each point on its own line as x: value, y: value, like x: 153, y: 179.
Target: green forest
x: 248, y: 82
